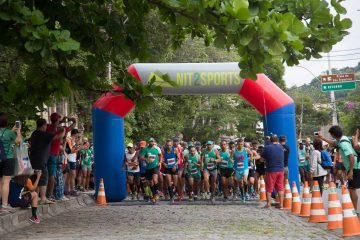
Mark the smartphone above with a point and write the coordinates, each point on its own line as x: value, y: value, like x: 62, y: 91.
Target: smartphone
x: 17, y: 124
x: 316, y: 133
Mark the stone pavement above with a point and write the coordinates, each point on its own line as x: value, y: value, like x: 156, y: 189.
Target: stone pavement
x: 139, y: 220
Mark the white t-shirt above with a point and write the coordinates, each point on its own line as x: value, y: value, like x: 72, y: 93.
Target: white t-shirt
x: 72, y: 156
x: 129, y: 157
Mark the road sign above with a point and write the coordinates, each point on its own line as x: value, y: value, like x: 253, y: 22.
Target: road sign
x: 348, y: 77
x: 338, y: 86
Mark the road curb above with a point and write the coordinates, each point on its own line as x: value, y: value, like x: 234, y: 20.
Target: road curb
x: 9, y: 222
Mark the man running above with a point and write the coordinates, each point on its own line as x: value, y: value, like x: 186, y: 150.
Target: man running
x: 252, y: 168
x: 241, y: 166
x: 181, y: 180
x: 193, y: 165
x: 132, y: 170
x: 152, y: 156
x: 226, y: 169
x: 171, y: 161
x: 210, y: 158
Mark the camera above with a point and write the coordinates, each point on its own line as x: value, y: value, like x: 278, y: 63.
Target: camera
x: 316, y: 133
x: 17, y: 124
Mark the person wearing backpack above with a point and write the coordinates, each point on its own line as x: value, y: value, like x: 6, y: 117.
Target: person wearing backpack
x: 8, y: 137
x: 326, y: 163
x: 316, y: 170
x: 349, y: 157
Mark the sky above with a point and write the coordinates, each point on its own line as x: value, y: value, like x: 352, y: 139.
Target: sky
x: 305, y: 71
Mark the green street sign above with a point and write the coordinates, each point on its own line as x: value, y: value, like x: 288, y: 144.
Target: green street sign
x: 338, y: 86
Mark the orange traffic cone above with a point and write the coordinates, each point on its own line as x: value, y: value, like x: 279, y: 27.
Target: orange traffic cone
x: 296, y: 203
x: 305, y: 202
x: 262, y: 190
x: 288, y: 196
x: 351, y: 225
x: 317, y: 211
x: 101, y: 198
x: 335, y: 218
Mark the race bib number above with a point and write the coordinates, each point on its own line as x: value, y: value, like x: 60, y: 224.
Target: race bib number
x: 171, y: 161
x: 194, y: 171
x: 210, y: 166
x: 152, y: 157
x: 302, y: 159
x: 224, y: 163
x: 240, y: 164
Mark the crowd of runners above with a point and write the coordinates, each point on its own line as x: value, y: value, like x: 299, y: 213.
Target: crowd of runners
x: 205, y: 170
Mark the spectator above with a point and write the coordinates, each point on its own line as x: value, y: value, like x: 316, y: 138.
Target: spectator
x: 40, y: 142
x: 349, y: 157
x: 274, y: 158
x: 85, y: 156
x: 8, y: 137
x: 53, y: 160
x: 73, y: 145
x: 59, y: 176
x: 286, y: 155
x: 316, y: 170
x: 29, y: 195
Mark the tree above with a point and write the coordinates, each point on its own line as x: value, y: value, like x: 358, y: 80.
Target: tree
x: 65, y: 45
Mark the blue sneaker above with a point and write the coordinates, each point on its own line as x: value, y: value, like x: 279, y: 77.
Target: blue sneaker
x: 247, y: 197
x: 243, y: 199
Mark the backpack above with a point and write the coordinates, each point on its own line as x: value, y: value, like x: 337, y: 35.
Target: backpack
x: 326, y: 160
x: 2, y: 148
x: 349, y: 140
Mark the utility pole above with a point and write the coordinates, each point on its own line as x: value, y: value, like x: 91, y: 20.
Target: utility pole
x: 332, y: 98
x: 301, y: 117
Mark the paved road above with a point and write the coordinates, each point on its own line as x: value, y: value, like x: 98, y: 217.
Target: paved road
x: 134, y: 220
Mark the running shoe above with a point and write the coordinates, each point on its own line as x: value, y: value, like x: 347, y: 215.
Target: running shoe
x: 195, y: 197
x: 243, y: 199
x: 6, y: 208
x: 190, y: 198
x: 247, y: 197
x: 225, y: 199
x: 34, y: 220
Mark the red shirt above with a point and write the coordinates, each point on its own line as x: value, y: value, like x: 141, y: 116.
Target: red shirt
x: 55, y: 144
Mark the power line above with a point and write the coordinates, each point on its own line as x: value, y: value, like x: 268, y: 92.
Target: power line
x: 346, y: 50
x: 335, y: 60
x: 342, y: 55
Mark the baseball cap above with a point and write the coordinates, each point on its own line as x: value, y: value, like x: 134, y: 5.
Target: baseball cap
x: 130, y: 145
x: 54, y: 117
x: 142, y: 143
x: 209, y: 143
x: 151, y: 140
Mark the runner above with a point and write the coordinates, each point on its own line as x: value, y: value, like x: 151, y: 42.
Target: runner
x: 145, y: 188
x: 252, y: 168
x: 132, y: 170
x: 152, y: 156
x: 181, y: 174
x: 210, y: 158
x: 193, y: 165
x: 260, y: 168
x: 226, y: 169
x: 170, y: 163
x: 241, y: 166
x: 303, y: 163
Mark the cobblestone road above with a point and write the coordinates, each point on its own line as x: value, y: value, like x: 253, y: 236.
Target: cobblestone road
x: 141, y: 221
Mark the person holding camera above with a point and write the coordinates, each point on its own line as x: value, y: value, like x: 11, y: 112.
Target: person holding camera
x: 8, y: 137
x: 54, y: 157
x: 40, y: 143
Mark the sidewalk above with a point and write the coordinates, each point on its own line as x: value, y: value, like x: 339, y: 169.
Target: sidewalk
x: 9, y: 222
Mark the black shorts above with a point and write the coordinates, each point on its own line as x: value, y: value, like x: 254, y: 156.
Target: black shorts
x: 260, y: 169
x: 339, y: 166
x: 327, y: 167
x: 150, y: 172
x: 226, y: 172
x: 43, y: 181
x: 72, y: 166
x: 7, y: 167
x: 251, y: 173
x: 24, y: 201
x: 355, y: 182
x: 170, y: 171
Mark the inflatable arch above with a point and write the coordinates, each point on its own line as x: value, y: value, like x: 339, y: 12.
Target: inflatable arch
x: 109, y: 110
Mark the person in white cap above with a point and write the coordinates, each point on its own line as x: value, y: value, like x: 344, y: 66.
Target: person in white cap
x: 132, y: 170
